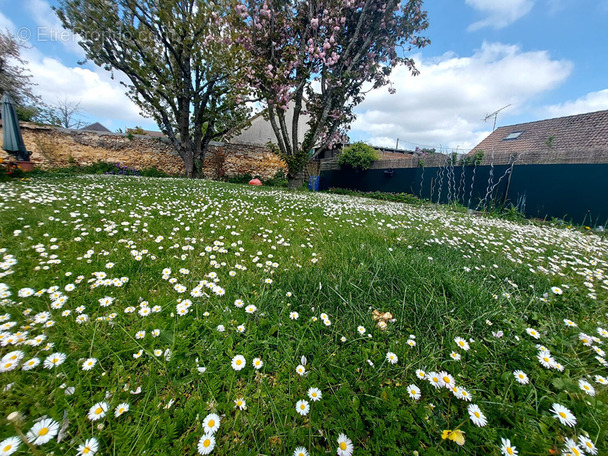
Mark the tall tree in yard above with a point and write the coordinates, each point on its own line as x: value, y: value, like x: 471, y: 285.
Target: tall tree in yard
x: 321, y: 56
x: 181, y: 61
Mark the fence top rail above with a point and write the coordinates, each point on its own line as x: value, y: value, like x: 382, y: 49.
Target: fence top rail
x: 524, y: 158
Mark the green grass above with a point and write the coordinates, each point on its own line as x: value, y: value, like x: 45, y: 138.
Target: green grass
x: 441, y: 274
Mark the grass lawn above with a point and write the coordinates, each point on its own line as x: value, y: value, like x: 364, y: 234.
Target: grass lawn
x: 174, y: 317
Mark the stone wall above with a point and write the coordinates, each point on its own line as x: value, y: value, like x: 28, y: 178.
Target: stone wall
x: 57, y: 147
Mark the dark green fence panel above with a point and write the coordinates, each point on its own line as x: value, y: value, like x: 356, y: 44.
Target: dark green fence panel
x: 574, y: 192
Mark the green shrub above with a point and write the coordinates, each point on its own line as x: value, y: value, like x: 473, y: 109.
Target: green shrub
x: 358, y: 156
x: 152, y: 172
x: 239, y: 179
x: 278, y: 180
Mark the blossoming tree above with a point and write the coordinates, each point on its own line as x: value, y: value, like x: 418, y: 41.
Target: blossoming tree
x: 318, y: 57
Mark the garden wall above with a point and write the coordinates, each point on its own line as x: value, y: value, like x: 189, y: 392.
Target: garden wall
x: 57, y: 147
x: 576, y: 192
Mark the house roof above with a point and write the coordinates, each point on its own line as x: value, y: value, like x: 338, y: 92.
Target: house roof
x: 571, y: 134
x: 96, y: 127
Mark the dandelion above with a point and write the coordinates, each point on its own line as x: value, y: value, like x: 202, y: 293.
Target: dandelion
x: 457, y: 436
x: 392, y: 358
x: 211, y: 423
x: 240, y: 404
x: 121, y: 409
x: 89, y: 447
x: 238, y: 362
x: 521, y: 377
x: 477, y: 417
x: 315, y: 394
x: 345, y: 446
x: 414, y: 392
x: 564, y: 415
x: 43, y: 431
x: 10, y: 445
x: 206, y: 444
x: 302, y: 407
x: 507, y: 449
x: 98, y: 411
x: 257, y: 363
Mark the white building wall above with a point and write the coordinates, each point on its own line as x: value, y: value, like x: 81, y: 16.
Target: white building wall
x: 260, y: 132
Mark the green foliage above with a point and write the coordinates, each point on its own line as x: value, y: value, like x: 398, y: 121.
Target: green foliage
x: 183, y: 68
x: 152, y: 172
x: 278, y: 180
x: 473, y: 160
x: 358, y: 156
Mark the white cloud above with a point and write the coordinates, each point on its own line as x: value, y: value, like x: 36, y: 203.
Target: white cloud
x: 101, y: 98
x: 445, y: 105
x: 593, y: 101
x: 499, y: 13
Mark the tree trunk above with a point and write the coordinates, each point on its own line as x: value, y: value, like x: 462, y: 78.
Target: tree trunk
x: 188, y: 158
x: 295, y: 182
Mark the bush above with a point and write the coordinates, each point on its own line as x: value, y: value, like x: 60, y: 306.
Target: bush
x: 358, y: 156
x: 239, y: 179
x: 152, y: 172
x: 278, y: 180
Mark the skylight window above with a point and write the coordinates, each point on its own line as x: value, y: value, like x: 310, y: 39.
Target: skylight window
x: 513, y: 135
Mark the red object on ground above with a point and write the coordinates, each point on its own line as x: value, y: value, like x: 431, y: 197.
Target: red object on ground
x: 255, y: 182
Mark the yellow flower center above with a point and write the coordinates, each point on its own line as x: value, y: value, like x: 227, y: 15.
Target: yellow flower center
x: 589, y: 444
x: 302, y: 406
x: 239, y: 403
x: 562, y: 414
x: 98, y: 411
x: 413, y: 392
x: 43, y: 431
x: 476, y: 414
x: 206, y: 443
x: 7, y: 448
x: 13, y: 358
x: 238, y: 362
x: 446, y: 379
x: 211, y: 423
x: 343, y: 446
x: 8, y: 365
x: 435, y: 379
x: 87, y: 450
x: 461, y: 343
x: 510, y: 450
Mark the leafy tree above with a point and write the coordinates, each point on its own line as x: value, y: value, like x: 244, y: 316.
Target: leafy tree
x: 358, y: 156
x: 318, y: 56
x: 180, y: 59
x: 15, y: 79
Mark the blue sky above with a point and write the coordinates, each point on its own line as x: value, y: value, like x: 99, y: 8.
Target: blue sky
x: 544, y: 58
